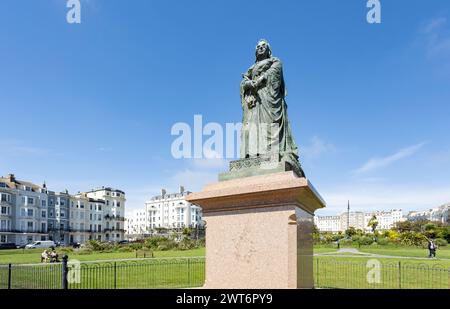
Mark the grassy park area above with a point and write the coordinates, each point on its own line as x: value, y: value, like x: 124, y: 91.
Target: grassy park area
x: 31, y: 256
x: 346, y: 267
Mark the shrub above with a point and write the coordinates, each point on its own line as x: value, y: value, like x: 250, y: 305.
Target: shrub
x: 187, y: 244
x: 346, y: 242
x: 85, y: 251
x: 137, y: 246
x: 383, y: 241
x: 365, y: 240
x: 154, y: 242
x: 441, y: 242
x: 412, y: 239
x: 126, y: 249
x: 66, y: 250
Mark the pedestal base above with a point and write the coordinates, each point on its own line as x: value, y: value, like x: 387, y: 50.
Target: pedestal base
x: 259, y: 231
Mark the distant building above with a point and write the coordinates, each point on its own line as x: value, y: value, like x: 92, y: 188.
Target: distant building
x: 386, y: 219
x: 358, y: 220
x: 23, y: 211
x: 328, y: 223
x: 138, y: 223
x: 354, y: 218
x: 440, y: 214
x: 165, y: 211
x: 29, y: 212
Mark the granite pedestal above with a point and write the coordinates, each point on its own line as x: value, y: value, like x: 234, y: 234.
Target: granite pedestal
x: 259, y: 231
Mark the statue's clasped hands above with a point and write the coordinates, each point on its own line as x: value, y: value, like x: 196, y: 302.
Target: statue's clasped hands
x: 252, y: 84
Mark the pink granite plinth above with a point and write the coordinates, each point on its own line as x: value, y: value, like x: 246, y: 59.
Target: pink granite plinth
x: 259, y: 231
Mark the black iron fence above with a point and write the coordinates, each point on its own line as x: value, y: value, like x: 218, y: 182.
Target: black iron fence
x: 379, y: 274
x: 169, y: 273
x: 172, y: 273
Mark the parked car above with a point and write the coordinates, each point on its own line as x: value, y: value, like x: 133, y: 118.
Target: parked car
x: 8, y: 246
x: 41, y: 244
x: 123, y: 242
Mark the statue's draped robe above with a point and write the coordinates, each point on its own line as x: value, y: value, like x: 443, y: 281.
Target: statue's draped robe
x: 265, y: 126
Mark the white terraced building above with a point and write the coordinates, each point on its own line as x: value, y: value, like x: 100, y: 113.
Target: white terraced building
x: 358, y: 220
x: 167, y: 210
x: 440, y: 214
x: 29, y: 212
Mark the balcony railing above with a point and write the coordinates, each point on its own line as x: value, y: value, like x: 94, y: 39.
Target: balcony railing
x: 113, y: 217
x: 107, y: 230
x: 34, y: 231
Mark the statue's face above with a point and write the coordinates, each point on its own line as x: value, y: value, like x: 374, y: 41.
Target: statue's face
x: 262, y: 49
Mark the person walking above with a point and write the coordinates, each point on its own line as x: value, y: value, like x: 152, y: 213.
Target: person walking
x: 431, y: 248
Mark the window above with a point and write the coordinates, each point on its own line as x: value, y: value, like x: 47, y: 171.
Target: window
x: 22, y: 212
x: 81, y: 205
x: 4, y: 210
x: 3, y: 238
x: 30, y: 225
x: 44, y: 203
x: 51, y: 213
x: 2, y: 185
x: 62, y: 214
x: 99, y: 208
x: 5, y: 197
x: 31, y: 201
x: 43, y: 227
x: 43, y: 214
x: 30, y: 212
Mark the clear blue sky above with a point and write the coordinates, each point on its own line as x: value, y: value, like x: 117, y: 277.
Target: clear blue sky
x: 92, y: 104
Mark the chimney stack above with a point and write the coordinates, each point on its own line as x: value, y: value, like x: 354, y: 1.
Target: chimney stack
x: 163, y: 192
x: 11, y: 178
x: 181, y: 189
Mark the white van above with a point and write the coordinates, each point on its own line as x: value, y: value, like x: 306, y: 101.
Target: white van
x: 41, y: 244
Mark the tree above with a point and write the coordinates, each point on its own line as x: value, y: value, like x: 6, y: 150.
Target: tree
x: 351, y: 231
x: 403, y: 226
x: 373, y: 223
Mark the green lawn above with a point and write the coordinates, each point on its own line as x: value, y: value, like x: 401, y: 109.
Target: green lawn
x: 411, y: 270
x: 32, y: 256
x: 352, y: 272
x: 443, y: 252
x: 329, y: 271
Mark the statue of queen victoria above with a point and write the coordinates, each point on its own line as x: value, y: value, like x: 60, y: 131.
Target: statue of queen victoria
x: 266, y: 133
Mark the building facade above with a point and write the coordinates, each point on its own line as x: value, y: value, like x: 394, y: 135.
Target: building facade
x: 439, y: 214
x: 165, y: 211
x: 29, y: 212
x: 386, y: 219
x: 23, y: 211
x: 328, y: 223
x: 358, y: 220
